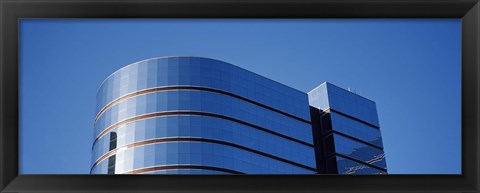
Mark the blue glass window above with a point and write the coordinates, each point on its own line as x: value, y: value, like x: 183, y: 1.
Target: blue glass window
x: 358, y: 150
x: 356, y: 129
x: 346, y: 166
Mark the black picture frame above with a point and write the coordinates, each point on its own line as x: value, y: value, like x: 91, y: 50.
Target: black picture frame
x: 13, y: 10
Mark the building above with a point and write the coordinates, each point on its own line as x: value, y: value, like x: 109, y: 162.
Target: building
x: 198, y: 115
x: 193, y: 115
x: 346, y: 132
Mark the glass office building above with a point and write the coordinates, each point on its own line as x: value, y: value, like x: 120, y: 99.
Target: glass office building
x: 346, y: 132
x: 193, y: 115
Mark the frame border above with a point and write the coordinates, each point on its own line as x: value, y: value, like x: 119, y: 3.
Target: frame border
x: 11, y: 11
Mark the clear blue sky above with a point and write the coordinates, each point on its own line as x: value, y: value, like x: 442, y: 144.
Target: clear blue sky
x: 411, y: 68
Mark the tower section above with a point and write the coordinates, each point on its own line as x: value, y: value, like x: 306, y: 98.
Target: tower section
x: 346, y: 132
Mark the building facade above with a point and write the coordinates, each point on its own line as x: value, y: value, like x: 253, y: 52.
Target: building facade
x: 346, y: 132
x: 193, y: 115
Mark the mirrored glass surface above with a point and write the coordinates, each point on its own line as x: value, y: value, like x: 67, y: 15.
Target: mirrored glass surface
x: 204, y: 101
x: 203, y: 72
x: 358, y: 150
x: 207, y: 128
x: 356, y: 129
x: 346, y: 166
x: 258, y: 125
x: 197, y: 154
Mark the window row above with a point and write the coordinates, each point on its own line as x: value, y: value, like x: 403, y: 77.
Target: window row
x: 208, y: 128
x: 202, y: 72
x: 187, y: 171
x: 356, y: 150
x: 346, y: 166
x: 204, y: 101
x: 356, y: 129
x: 352, y: 104
x: 207, y: 154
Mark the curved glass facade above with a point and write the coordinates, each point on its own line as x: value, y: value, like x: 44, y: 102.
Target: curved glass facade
x: 192, y: 115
